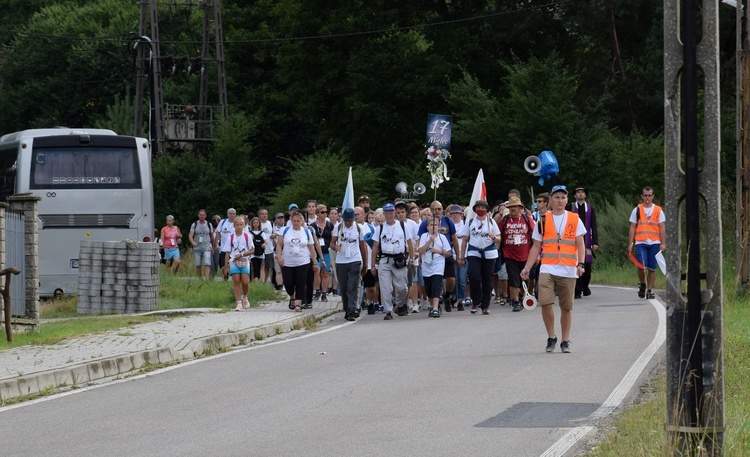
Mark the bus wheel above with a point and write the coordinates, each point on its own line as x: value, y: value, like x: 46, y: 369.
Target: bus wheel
x: 58, y: 293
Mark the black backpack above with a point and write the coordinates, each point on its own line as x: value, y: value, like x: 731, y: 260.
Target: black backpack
x: 258, y: 243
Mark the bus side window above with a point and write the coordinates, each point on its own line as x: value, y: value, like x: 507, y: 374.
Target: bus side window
x: 8, y: 181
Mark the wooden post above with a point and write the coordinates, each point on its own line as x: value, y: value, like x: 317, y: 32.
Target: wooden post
x: 6, y: 299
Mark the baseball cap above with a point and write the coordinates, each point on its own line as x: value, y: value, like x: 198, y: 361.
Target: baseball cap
x: 292, y: 206
x: 389, y: 207
x: 400, y: 202
x: 278, y: 215
x: 455, y: 209
x: 583, y: 189
x: 348, y: 214
x: 559, y: 188
x: 170, y: 217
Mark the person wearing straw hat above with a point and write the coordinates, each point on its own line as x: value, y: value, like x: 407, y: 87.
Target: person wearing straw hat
x: 479, y: 241
x: 515, y: 231
x: 561, y: 234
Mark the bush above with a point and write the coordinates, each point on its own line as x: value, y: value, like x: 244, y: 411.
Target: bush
x: 613, y: 225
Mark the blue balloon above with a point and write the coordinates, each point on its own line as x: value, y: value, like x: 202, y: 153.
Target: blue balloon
x: 549, y: 167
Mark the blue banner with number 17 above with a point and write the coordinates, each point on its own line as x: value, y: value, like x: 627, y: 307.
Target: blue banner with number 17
x: 439, y: 128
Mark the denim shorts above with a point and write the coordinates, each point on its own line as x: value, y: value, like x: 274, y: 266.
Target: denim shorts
x: 171, y: 253
x: 202, y: 257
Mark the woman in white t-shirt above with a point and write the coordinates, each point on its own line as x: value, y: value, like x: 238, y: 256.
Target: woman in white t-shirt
x: 294, y: 251
x: 479, y: 239
x: 433, y: 249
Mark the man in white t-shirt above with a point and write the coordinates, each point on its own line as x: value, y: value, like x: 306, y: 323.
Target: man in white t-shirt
x: 457, y: 216
x: 267, y: 228
x: 561, y: 234
x: 647, y: 236
x: 223, y: 231
x: 348, y: 241
x: 394, y: 249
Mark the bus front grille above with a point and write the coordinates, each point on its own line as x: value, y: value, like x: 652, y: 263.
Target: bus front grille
x: 86, y: 220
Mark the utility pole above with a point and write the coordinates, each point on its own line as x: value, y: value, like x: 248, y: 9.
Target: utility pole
x: 161, y: 135
x: 695, y: 360
x: 742, y: 221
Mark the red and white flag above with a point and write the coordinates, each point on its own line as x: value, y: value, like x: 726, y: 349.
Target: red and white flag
x: 479, y: 193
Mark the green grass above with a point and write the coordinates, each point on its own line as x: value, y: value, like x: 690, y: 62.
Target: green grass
x: 180, y: 292
x: 639, y: 430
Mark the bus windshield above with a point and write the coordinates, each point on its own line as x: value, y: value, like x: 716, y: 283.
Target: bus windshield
x: 84, y: 168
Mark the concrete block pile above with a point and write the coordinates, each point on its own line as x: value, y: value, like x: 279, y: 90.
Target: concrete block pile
x: 118, y: 277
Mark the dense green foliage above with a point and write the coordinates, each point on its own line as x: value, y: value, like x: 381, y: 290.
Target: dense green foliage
x: 357, y: 79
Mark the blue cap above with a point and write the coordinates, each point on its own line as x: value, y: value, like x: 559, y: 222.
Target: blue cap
x: 292, y: 206
x: 389, y: 207
x: 348, y: 214
x: 559, y: 189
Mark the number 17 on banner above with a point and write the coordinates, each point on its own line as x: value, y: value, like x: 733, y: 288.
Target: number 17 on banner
x: 439, y: 128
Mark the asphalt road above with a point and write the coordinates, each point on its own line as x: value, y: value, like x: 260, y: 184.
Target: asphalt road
x: 461, y: 384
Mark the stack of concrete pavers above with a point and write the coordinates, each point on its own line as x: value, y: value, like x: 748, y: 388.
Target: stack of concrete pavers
x: 118, y: 277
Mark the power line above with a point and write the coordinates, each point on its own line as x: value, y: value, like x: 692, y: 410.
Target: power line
x: 119, y: 38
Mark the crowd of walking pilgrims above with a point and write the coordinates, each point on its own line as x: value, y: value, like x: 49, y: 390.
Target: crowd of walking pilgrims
x: 403, y: 259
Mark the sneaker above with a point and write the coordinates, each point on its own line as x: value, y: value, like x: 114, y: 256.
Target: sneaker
x: 517, y: 306
x: 370, y: 309
x: 381, y: 308
x: 316, y: 296
x: 642, y: 290
x: 473, y: 309
x: 502, y: 301
x: 415, y: 308
x: 551, y: 343
x: 650, y: 295
x: 434, y: 313
x: 245, y: 303
x: 349, y: 317
x: 323, y: 297
x: 460, y: 306
x: 239, y: 307
x: 307, y: 305
x: 388, y: 317
x: 448, y: 306
x: 356, y: 313
x: 565, y: 346
x: 485, y: 311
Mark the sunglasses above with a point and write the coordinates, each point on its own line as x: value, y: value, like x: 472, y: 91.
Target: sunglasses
x: 322, y: 212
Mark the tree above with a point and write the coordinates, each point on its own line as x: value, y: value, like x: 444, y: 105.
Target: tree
x: 323, y: 176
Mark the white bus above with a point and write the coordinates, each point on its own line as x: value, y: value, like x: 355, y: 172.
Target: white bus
x: 94, y: 185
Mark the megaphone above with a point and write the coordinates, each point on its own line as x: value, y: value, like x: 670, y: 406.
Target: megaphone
x: 532, y: 164
x: 529, y: 301
x: 545, y: 166
x: 401, y: 187
x: 419, y: 188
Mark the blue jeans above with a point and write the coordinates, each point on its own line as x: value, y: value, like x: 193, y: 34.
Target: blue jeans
x: 461, y: 274
x: 349, y: 278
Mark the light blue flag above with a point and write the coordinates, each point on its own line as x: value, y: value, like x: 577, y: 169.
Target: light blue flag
x: 349, y: 194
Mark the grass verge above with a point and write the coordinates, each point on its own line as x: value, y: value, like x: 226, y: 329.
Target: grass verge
x: 639, y: 430
x: 175, y: 292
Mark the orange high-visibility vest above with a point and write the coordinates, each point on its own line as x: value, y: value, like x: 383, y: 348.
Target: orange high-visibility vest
x: 560, y: 248
x: 647, y: 228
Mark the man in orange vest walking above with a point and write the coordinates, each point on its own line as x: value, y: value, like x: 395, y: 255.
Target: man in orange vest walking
x: 647, y: 235
x: 560, y: 233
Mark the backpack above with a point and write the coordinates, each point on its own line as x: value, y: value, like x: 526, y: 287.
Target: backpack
x: 505, y: 222
x: 306, y: 231
x: 258, y: 242
x: 406, y: 237
x: 231, y: 240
